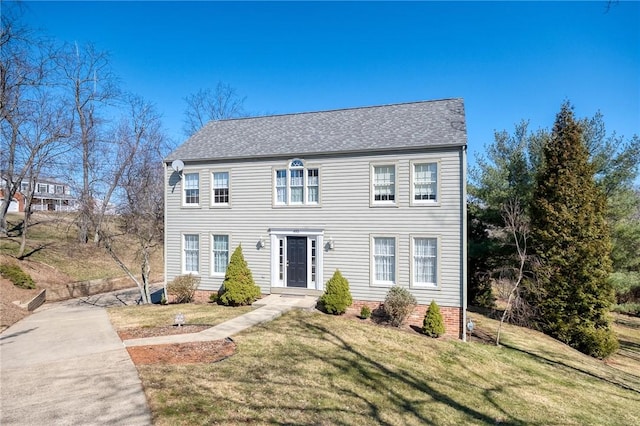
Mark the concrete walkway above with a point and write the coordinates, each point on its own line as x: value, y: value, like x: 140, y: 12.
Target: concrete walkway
x: 269, y: 307
x: 65, y: 365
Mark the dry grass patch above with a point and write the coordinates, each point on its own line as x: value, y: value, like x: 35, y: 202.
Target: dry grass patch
x: 158, y: 316
x: 310, y: 368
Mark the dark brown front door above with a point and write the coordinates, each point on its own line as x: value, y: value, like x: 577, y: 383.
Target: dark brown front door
x: 297, y: 262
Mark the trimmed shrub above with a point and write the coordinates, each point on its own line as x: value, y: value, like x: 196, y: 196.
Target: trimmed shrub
x: 398, y: 305
x: 433, y: 324
x: 17, y: 276
x: 337, y: 297
x: 365, y: 312
x: 238, y: 288
x: 183, y: 287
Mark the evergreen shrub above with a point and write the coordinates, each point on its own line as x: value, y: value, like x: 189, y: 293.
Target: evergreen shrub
x: 627, y: 286
x: 597, y: 342
x: 17, y: 276
x: 238, y: 288
x: 337, y: 297
x: 628, y: 309
x: 398, y: 305
x: 433, y: 324
x: 183, y: 287
x: 365, y: 312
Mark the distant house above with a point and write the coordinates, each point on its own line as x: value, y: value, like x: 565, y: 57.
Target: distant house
x: 51, y: 195
x: 377, y: 192
x: 48, y: 195
x: 17, y: 202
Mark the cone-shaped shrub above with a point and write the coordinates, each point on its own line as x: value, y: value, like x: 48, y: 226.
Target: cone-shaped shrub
x: 337, y: 297
x: 238, y: 288
x: 433, y: 324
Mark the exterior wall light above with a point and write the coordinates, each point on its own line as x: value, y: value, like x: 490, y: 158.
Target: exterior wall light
x: 331, y: 243
x: 261, y: 242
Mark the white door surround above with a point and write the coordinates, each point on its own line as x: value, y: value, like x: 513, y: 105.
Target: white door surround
x: 279, y: 261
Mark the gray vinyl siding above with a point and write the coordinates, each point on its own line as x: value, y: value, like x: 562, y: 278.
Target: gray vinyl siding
x: 345, y: 214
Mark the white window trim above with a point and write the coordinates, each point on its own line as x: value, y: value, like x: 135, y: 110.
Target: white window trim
x: 412, y: 200
x: 212, y: 273
x: 437, y: 285
x: 372, y: 261
x: 213, y: 198
x: 183, y: 253
x: 305, y: 175
x: 372, y: 190
x: 184, y: 190
x: 275, y: 234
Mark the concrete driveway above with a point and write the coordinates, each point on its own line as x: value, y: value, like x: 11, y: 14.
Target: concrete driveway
x: 65, y: 365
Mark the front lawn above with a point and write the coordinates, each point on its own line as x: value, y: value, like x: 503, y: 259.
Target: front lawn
x: 312, y: 368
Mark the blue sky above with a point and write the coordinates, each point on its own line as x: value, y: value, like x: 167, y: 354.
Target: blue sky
x: 508, y: 60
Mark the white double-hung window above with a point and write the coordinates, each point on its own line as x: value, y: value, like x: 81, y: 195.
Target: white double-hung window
x: 384, y: 260
x: 191, y: 189
x: 424, y: 188
x: 220, y: 189
x: 297, y: 185
x: 383, y: 178
x: 191, y: 256
x: 425, y: 262
x: 220, y: 254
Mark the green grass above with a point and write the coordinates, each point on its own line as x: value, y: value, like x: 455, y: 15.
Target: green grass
x: 311, y: 368
x: 161, y: 315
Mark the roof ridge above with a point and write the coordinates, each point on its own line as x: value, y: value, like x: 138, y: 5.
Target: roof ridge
x: 335, y: 110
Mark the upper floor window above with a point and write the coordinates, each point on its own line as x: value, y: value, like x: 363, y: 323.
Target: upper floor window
x: 384, y: 184
x: 59, y: 189
x: 191, y: 188
x: 221, y: 188
x: 42, y: 188
x: 425, y: 182
x: 297, y: 184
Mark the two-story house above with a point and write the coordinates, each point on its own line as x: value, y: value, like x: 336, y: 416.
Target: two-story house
x: 377, y: 192
x: 48, y: 195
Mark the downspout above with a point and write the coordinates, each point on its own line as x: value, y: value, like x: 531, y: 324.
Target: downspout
x: 164, y: 249
x: 463, y: 213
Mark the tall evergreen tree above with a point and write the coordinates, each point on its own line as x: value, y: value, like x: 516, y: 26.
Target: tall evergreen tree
x: 571, y: 240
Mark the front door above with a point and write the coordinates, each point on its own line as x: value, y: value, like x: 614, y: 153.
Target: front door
x: 297, y: 262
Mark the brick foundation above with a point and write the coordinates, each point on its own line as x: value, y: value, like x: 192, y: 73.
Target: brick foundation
x: 452, y: 316
x: 202, y: 296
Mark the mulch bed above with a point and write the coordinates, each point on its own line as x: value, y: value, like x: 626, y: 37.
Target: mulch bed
x: 183, y: 353
x: 176, y: 353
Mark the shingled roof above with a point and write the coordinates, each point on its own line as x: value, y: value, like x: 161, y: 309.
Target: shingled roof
x: 377, y: 128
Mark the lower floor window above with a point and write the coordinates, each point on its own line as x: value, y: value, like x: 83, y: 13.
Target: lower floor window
x: 425, y: 255
x: 220, y: 255
x: 191, y: 253
x: 384, y: 260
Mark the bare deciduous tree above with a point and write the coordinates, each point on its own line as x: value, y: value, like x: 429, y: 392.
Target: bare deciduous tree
x: 33, y: 123
x: 141, y: 183
x: 517, y: 225
x: 44, y: 137
x: 211, y: 104
x: 92, y: 87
